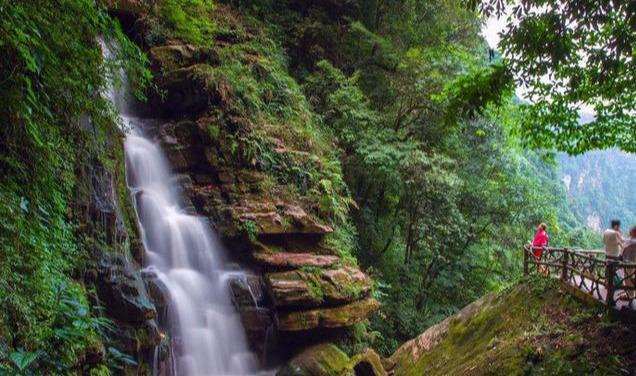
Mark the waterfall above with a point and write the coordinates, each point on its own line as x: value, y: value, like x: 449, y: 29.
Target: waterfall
x: 186, y: 257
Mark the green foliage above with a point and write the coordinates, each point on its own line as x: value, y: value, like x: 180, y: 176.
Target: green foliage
x: 428, y: 138
x: 570, y: 55
x: 470, y: 94
x: 250, y: 229
x: 187, y: 20
x: 53, y: 76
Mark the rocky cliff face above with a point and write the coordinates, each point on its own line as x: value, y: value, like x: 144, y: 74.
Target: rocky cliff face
x: 104, y: 211
x: 597, y: 184
x: 248, y: 169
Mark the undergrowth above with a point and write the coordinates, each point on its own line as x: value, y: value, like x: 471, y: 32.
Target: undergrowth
x: 52, y: 76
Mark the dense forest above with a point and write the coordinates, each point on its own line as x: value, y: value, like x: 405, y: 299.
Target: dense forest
x: 392, y: 122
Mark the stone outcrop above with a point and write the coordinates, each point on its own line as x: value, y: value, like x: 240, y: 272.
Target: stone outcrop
x: 327, y: 318
x: 306, y: 281
x: 267, y: 224
x: 316, y: 288
x: 275, y: 234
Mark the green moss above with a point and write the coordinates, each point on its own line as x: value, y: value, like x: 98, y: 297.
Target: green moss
x: 188, y: 20
x: 314, y: 284
x: 324, y: 359
x: 213, y: 131
x: 514, y: 333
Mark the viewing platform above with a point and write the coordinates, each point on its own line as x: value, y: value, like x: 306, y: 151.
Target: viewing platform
x: 610, y: 281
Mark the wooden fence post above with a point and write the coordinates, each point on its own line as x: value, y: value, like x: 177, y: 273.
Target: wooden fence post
x: 564, y: 264
x: 525, y: 260
x: 610, y: 272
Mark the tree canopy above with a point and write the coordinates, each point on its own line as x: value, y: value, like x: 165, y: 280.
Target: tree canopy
x: 572, y: 56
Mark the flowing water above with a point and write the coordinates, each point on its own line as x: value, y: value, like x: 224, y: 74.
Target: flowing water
x: 183, y: 252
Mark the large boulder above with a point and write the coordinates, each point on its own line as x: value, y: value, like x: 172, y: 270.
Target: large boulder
x: 326, y: 318
x: 300, y: 288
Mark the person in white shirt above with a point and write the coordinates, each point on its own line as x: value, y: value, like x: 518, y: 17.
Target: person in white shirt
x: 613, y: 241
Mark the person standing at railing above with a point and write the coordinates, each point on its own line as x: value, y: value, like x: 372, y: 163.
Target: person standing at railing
x: 613, y: 241
x: 540, y: 241
x: 613, y: 247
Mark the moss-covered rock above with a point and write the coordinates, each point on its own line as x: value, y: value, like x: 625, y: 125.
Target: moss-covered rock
x: 367, y: 363
x: 311, y: 288
x: 327, y: 359
x: 537, y: 327
x: 326, y: 318
x: 319, y: 360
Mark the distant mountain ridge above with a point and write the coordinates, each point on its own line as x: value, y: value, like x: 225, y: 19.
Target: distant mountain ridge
x: 600, y: 186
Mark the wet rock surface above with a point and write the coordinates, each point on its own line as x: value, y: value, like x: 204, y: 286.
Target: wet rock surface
x: 122, y: 292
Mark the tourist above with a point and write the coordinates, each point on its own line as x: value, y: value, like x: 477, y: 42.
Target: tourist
x: 613, y: 241
x: 540, y: 241
x: 613, y: 247
x: 629, y: 255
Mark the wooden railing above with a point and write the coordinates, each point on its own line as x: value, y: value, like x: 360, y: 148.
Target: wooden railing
x: 610, y: 281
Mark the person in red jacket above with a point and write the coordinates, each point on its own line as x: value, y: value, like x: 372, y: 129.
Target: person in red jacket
x: 541, y: 240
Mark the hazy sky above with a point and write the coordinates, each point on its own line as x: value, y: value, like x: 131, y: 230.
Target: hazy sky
x: 491, y: 29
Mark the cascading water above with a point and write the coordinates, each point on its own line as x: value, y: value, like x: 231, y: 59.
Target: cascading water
x: 183, y: 252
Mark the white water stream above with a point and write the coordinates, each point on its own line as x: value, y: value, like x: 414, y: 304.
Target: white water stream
x: 205, y: 329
